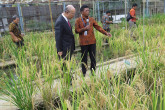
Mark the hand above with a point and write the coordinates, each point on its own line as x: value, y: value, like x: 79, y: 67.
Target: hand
x: 22, y: 34
x: 136, y: 18
x: 19, y: 39
x: 111, y: 21
x: 87, y: 28
x: 109, y: 35
x: 16, y: 40
x: 60, y: 53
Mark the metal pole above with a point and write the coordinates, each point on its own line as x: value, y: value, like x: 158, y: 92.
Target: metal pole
x: 103, y: 7
x: 155, y: 7
x: 125, y: 14
x: 80, y: 3
x: 93, y: 9
x: 143, y: 24
x: 20, y: 17
x: 50, y: 10
x: 147, y: 8
x: 64, y: 6
x: 140, y: 12
x: 98, y: 10
x: 164, y: 6
x: 115, y: 11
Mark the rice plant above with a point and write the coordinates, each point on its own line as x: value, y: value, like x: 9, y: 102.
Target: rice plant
x: 42, y: 83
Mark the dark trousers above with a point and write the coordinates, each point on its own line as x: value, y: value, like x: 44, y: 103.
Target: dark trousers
x: 91, y: 49
x: 19, y: 44
x: 66, y: 56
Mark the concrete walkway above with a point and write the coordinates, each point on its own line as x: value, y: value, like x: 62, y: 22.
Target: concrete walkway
x: 4, y: 105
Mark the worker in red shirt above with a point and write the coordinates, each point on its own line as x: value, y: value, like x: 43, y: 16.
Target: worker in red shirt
x: 132, y: 21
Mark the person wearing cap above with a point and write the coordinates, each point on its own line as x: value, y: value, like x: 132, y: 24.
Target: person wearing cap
x: 15, y: 32
x: 84, y: 27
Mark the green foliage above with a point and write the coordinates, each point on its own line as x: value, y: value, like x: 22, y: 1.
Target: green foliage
x: 35, y: 85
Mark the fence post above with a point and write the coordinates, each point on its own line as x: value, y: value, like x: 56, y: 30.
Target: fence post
x: 126, y: 14
x: 80, y: 3
x: 51, y: 17
x: 64, y: 6
x: 115, y: 11
x: 98, y: 10
x: 147, y: 11
x: 155, y: 8
x: 143, y: 24
x: 164, y: 6
x: 96, y: 15
x: 93, y: 8
x: 20, y: 17
x: 103, y: 8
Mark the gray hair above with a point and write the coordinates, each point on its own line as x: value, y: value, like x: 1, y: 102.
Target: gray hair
x: 14, y: 17
x: 68, y: 8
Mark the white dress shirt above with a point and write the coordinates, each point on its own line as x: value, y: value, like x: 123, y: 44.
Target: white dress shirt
x: 65, y: 18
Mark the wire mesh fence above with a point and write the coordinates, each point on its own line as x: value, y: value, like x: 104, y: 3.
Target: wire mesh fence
x: 36, y: 17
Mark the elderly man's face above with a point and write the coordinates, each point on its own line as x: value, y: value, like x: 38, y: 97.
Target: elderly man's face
x: 71, y: 14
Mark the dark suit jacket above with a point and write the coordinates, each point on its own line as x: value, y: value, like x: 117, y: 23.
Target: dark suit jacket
x: 64, y: 36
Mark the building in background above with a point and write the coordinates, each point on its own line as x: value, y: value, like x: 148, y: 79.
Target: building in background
x: 154, y: 6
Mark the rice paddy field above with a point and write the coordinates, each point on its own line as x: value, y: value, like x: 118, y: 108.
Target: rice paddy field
x: 30, y: 85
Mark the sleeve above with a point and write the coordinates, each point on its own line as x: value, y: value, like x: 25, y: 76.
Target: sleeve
x: 11, y: 28
x: 132, y: 12
x: 99, y: 28
x: 77, y: 26
x: 106, y: 19
x: 58, y: 36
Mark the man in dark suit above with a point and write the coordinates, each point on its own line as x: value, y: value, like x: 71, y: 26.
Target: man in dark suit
x: 64, y: 37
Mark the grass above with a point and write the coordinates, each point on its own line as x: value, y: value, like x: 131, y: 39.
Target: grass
x: 34, y: 86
